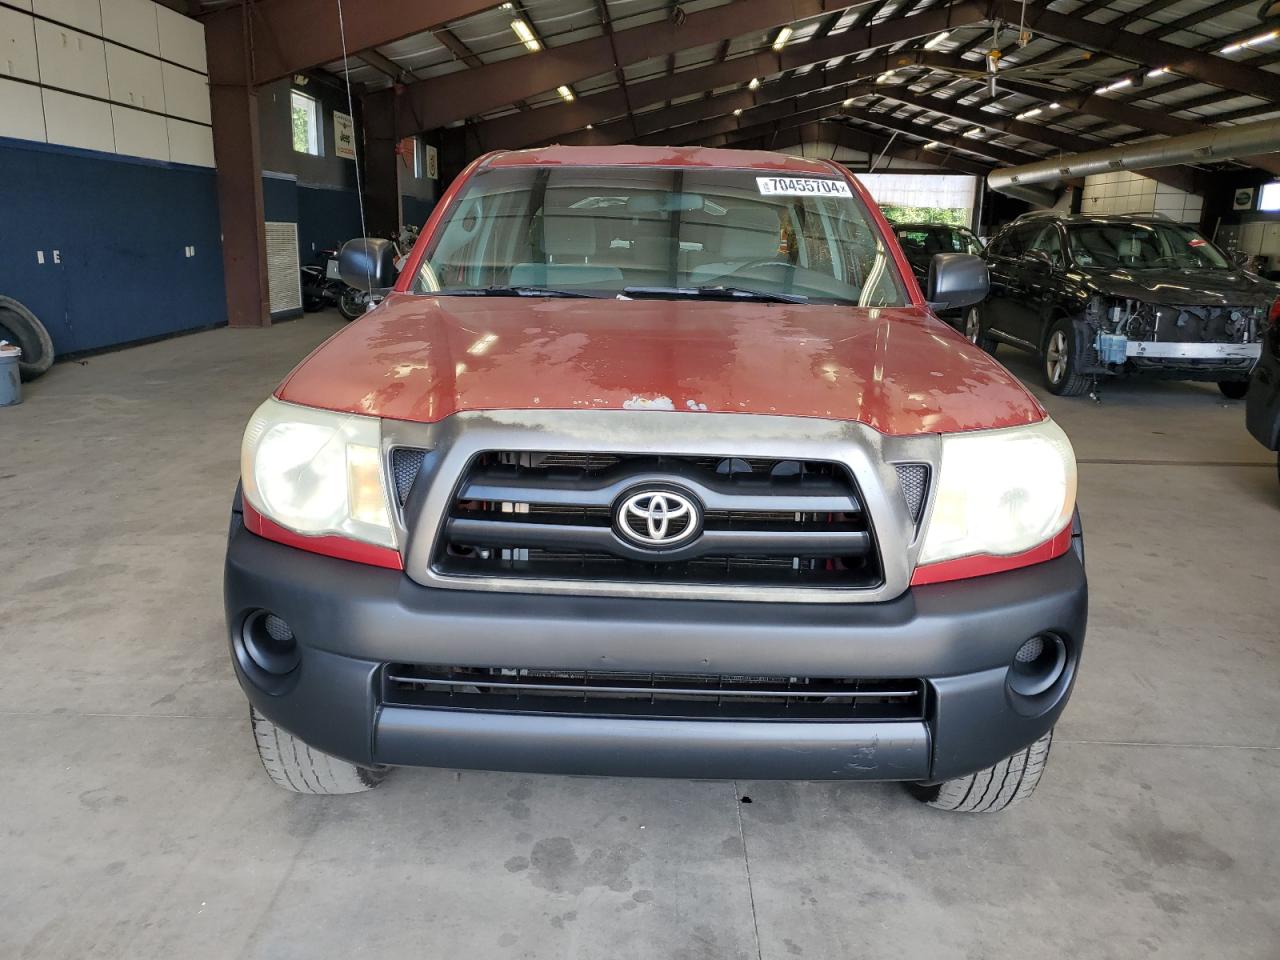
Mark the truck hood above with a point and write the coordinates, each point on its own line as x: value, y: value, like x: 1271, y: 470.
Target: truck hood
x: 1204, y: 288
x: 424, y: 358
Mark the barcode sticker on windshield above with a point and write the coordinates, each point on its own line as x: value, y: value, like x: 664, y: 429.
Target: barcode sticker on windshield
x: 802, y: 187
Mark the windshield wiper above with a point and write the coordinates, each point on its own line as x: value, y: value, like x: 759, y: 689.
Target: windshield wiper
x: 510, y: 292
x: 716, y: 293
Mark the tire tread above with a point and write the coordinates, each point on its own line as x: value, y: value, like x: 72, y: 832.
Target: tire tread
x: 298, y: 768
x: 1013, y: 779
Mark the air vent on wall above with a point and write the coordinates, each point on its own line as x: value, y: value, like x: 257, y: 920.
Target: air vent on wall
x: 283, y: 278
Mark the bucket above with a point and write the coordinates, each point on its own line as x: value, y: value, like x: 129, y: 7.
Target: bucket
x: 10, y: 380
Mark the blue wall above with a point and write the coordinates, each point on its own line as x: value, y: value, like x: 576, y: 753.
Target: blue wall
x: 327, y: 217
x: 121, y: 226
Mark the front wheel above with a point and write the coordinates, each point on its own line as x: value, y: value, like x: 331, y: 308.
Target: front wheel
x: 298, y: 768
x: 1061, y: 362
x: 996, y: 788
x: 352, y: 303
x: 973, y: 331
x: 1233, y: 389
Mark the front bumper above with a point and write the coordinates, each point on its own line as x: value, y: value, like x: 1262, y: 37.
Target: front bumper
x: 351, y: 620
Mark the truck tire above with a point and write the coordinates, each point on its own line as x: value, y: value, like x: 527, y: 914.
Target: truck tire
x: 19, y: 325
x: 994, y: 789
x: 296, y: 767
x: 973, y: 331
x: 1062, y: 361
x: 1233, y: 389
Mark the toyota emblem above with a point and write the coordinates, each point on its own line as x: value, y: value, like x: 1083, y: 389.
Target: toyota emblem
x: 658, y: 518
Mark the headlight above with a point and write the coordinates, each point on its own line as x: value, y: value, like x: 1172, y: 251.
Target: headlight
x: 317, y: 472
x: 1001, y: 492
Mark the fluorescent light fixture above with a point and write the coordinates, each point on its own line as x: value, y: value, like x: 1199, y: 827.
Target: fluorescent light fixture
x: 1251, y: 42
x: 781, y: 39
x: 591, y: 126
x: 1157, y: 72
x: 886, y: 77
x: 1055, y: 106
x: 525, y: 33
x: 937, y: 39
x: 738, y: 112
x: 847, y: 103
x: 1028, y: 114
x: 975, y: 132
x: 753, y: 83
x: 1118, y: 85
x: 565, y: 93
x: 933, y: 144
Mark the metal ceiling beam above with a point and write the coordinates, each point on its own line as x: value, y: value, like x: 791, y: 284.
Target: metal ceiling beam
x: 473, y: 92
x: 384, y: 64
x: 1117, y: 42
x: 289, y: 36
x: 778, y: 137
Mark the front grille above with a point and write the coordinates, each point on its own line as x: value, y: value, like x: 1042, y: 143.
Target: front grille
x: 405, y: 464
x: 652, y: 695
x: 913, y: 478
x: 764, y: 521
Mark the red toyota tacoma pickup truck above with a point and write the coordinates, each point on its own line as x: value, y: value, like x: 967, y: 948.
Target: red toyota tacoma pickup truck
x: 657, y: 462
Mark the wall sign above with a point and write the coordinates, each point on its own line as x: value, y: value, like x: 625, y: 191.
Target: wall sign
x: 1243, y: 199
x: 344, y: 136
x: 431, y: 163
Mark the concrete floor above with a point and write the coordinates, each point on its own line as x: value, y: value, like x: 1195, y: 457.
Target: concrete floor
x: 137, y: 822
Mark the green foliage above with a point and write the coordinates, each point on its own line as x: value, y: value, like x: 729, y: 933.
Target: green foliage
x: 301, y: 128
x: 951, y: 216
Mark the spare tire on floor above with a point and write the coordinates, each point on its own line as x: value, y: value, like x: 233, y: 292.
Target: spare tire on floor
x: 19, y: 325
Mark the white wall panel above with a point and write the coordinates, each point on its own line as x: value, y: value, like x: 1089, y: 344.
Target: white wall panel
x: 132, y: 23
x: 84, y: 15
x: 21, y: 112
x: 78, y: 121
x: 190, y: 143
x: 181, y: 39
x: 140, y: 134
x: 18, y: 45
x: 25, y: 4
x: 71, y: 60
x: 135, y: 79
x: 186, y: 94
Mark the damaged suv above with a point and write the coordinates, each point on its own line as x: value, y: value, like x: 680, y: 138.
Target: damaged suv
x: 1100, y: 296
x: 656, y: 462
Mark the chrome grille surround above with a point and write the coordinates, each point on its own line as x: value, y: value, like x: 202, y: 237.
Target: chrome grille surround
x: 869, y: 456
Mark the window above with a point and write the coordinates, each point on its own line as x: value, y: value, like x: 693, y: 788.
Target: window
x: 605, y: 230
x: 417, y: 158
x: 1050, y: 243
x: 1269, y: 198
x: 1142, y: 246
x: 306, y: 123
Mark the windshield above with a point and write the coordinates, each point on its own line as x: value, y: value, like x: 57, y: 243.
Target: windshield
x: 657, y: 232
x: 1142, y: 246
x: 926, y: 241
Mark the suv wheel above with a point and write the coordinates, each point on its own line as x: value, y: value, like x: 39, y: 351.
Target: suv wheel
x: 973, y: 330
x: 296, y: 767
x: 1233, y: 389
x: 993, y: 789
x: 1060, y: 361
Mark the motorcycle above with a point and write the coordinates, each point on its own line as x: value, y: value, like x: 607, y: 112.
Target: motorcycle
x: 322, y: 285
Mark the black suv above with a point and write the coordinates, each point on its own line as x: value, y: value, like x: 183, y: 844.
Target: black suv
x: 1262, y: 413
x: 1097, y: 296
x: 920, y: 241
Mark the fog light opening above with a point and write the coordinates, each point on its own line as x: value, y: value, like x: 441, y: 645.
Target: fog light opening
x: 1038, y: 664
x: 269, y: 642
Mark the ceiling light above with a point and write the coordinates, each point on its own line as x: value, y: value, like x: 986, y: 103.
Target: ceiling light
x: 1157, y: 72
x: 753, y: 83
x: 565, y: 93
x: 591, y: 126
x: 848, y: 103
x: 1028, y: 114
x: 781, y: 39
x: 933, y: 144
x: 1118, y: 85
x: 738, y: 112
x: 975, y: 132
x: 1252, y: 41
x: 937, y: 39
x: 1055, y: 106
x: 525, y: 33
x: 886, y: 77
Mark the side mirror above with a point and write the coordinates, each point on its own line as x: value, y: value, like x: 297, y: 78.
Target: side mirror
x: 367, y: 264
x: 1241, y: 259
x: 956, y: 280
